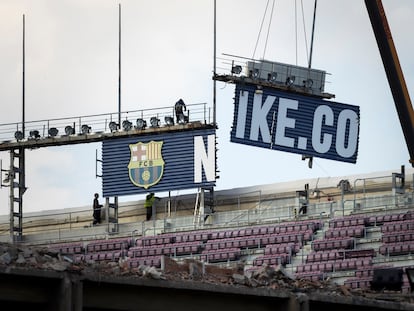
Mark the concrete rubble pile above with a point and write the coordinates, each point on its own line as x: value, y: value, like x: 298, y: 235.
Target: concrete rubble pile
x: 43, y: 258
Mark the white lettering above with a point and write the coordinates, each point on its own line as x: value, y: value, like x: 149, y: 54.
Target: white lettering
x: 203, y: 158
x: 241, y: 115
x: 324, y: 145
x: 259, y: 115
x: 343, y: 118
x: 284, y: 122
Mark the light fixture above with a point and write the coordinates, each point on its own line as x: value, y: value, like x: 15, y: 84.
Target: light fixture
x: 169, y: 120
x: 236, y: 69
x: 316, y: 193
x: 126, y: 125
x: 34, y: 134
x: 85, y: 129
x: 141, y: 124
x: 308, y: 83
x: 155, y: 122
x: 255, y: 73
x: 18, y: 135
x: 113, y: 126
x: 53, y: 131
x: 69, y: 130
x: 272, y: 76
x: 290, y: 80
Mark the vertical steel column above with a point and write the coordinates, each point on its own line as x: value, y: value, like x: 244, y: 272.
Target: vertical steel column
x: 22, y: 189
x: 11, y: 195
x: 16, y: 229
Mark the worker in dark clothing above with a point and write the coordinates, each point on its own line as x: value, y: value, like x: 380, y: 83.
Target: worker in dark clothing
x: 179, y: 111
x: 149, y: 202
x: 96, y: 210
x: 303, y: 209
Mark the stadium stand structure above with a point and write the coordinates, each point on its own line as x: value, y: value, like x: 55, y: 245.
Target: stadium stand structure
x: 344, y: 237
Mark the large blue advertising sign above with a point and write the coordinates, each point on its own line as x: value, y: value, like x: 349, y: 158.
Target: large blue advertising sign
x: 159, y: 162
x: 290, y: 122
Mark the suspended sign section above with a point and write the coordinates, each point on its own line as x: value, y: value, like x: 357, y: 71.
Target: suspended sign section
x: 159, y: 162
x: 289, y: 122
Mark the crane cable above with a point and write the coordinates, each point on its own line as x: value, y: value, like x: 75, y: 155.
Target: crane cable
x: 261, y: 27
x: 304, y: 30
x: 308, y: 54
x: 268, y: 29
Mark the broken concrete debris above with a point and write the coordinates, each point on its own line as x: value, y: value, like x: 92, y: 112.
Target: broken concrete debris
x: 43, y: 258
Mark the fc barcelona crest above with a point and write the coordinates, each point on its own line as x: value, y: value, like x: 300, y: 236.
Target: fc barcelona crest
x: 146, y: 164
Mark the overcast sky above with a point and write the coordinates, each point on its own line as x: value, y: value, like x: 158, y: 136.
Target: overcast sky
x: 167, y: 54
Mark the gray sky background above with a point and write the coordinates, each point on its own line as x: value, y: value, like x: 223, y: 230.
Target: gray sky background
x: 167, y: 54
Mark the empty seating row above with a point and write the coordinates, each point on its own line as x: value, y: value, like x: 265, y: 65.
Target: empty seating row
x: 327, y: 244
x: 272, y: 260
x: 267, y: 230
x: 399, y: 236
x: 347, y: 221
x: 104, y: 256
x: 338, y: 265
x: 154, y: 240
x: 153, y: 261
x: 358, y: 282
x: 369, y: 271
x: 284, y: 248
x: 108, y: 245
x: 221, y: 255
x: 339, y: 254
x: 398, y: 226
x: 400, y: 248
x: 382, y: 219
x: 362, y: 252
x: 192, y: 236
x: 68, y: 248
x: 311, y: 275
x: 168, y: 250
x: 340, y: 232
x: 259, y: 241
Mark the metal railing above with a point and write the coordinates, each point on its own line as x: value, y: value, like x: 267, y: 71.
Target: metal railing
x: 77, y: 224
x: 99, y: 123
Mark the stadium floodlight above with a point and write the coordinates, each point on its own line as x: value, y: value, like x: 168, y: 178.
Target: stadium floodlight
x: 34, y: 134
x: 141, y: 124
x: 272, y: 76
x: 18, y: 135
x: 255, y: 73
x: 308, y: 83
x: 69, y: 130
x: 290, y: 80
x: 127, y: 125
x: 53, y: 131
x: 85, y: 129
x: 237, y: 69
x: 169, y: 120
x: 113, y: 126
x: 155, y: 122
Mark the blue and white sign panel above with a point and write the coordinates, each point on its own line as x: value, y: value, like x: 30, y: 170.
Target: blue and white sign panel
x: 294, y: 123
x: 159, y: 162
